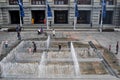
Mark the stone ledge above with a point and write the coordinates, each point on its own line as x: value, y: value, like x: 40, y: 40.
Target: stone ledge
x: 4, y: 29
x: 116, y: 29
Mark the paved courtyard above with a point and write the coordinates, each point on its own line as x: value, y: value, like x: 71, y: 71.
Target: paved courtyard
x: 103, y: 39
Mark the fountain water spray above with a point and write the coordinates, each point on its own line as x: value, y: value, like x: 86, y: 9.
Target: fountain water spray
x: 48, y: 42
x: 76, y: 65
x: 42, y: 65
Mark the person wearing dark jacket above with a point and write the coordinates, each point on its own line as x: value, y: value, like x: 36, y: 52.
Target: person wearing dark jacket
x: 34, y: 47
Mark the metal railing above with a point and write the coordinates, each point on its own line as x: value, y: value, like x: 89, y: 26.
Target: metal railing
x: 104, y: 61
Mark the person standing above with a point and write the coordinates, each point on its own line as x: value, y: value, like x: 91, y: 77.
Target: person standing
x: 44, y: 21
x: 18, y: 35
x: 30, y: 50
x: 109, y: 47
x: 40, y: 30
x: 59, y: 47
x: 34, y: 47
x: 53, y: 32
x: 117, y: 47
x: 6, y: 44
x: 91, y: 25
x: 69, y: 45
x: 33, y: 20
x: 18, y: 29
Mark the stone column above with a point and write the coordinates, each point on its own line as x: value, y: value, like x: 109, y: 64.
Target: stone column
x: 71, y: 12
x: 3, y: 12
x: 96, y: 12
x: 1, y: 16
x: 27, y: 19
x: 116, y: 18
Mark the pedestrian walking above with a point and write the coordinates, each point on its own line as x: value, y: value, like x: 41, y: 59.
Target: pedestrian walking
x: 109, y: 48
x: 34, y: 47
x: 69, y: 45
x: 18, y: 36
x: 53, y: 32
x: 6, y: 44
x: 18, y: 28
x: 117, y: 47
x: 59, y: 47
x: 91, y: 25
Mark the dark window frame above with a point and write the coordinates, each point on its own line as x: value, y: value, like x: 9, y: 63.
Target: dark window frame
x: 84, y: 2
x: 61, y: 17
x: 38, y: 2
x: 14, y: 2
x: 109, y: 2
x: 84, y: 17
x: 60, y: 2
x: 38, y: 16
x: 14, y: 16
x: 109, y: 18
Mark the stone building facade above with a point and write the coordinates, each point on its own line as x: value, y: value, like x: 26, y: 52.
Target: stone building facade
x: 62, y: 10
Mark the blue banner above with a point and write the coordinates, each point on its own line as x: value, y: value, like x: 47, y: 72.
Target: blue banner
x: 76, y: 10
x: 103, y: 8
x: 21, y: 8
x: 49, y: 12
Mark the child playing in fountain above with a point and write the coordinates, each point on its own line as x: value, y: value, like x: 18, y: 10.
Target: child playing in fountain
x: 40, y: 30
x: 30, y: 50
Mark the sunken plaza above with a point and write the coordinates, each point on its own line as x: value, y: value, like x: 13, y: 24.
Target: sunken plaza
x: 84, y: 55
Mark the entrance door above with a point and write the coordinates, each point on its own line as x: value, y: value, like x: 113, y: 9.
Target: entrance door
x: 109, y: 17
x: 38, y: 16
x: 14, y: 17
x: 84, y: 17
x: 61, y: 17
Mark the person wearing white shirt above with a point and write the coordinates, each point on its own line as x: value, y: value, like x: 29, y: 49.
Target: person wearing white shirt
x: 53, y: 32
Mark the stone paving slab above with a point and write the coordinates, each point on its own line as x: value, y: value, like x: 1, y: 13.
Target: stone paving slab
x: 84, y: 77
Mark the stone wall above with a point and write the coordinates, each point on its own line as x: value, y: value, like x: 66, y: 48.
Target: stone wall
x: 94, y: 8
x: 1, y: 16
